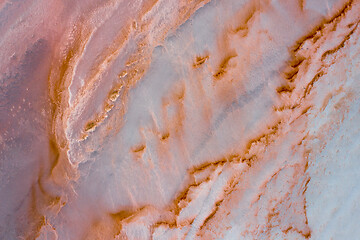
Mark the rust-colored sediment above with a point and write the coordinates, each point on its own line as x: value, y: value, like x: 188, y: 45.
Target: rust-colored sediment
x: 251, y: 153
x: 199, y: 60
x: 110, y: 226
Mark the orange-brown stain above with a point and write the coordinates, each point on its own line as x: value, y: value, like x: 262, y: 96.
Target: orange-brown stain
x: 222, y: 69
x: 199, y: 61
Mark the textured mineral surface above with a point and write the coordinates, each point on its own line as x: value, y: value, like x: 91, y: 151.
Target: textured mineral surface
x: 179, y: 119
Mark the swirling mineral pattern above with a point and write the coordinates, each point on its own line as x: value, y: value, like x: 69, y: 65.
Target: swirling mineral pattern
x: 179, y: 119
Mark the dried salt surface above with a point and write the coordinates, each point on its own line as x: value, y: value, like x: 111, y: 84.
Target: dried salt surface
x: 164, y: 119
